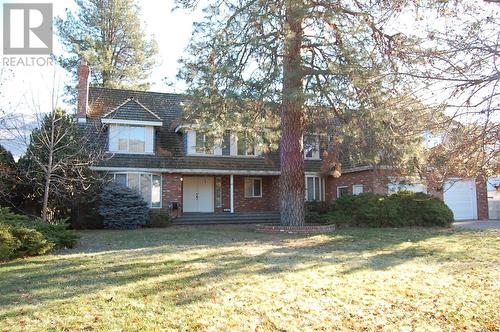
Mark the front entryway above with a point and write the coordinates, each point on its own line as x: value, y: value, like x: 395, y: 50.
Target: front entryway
x: 198, y: 194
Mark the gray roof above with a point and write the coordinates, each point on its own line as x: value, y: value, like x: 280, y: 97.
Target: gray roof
x: 132, y: 110
x: 169, y: 150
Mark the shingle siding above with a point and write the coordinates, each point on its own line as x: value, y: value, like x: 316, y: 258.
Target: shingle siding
x: 170, y: 147
x: 132, y: 110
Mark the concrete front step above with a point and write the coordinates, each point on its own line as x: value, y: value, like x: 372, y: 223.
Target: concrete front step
x: 224, y: 222
x: 227, y: 218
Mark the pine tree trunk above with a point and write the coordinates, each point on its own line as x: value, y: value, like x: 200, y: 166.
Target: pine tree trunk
x: 292, y: 121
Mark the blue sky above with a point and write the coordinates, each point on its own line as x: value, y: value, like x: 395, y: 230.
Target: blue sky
x: 171, y: 30
x: 28, y: 90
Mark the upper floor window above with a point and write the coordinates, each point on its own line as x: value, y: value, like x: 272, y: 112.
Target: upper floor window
x: 204, y: 143
x: 130, y: 139
x: 231, y: 144
x: 246, y: 145
x: 311, y: 146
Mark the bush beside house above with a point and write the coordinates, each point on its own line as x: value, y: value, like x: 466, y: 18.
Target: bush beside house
x: 158, y: 219
x: 21, y: 236
x: 122, y: 207
x: 403, y: 208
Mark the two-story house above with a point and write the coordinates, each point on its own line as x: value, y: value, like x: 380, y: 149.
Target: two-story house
x: 183, y: 170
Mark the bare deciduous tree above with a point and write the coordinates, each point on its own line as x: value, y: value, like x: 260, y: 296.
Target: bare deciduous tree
x: 58, y: 159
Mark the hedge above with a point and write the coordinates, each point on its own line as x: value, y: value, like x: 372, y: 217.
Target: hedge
x: 158, y: 219
x: 21, y: 236
x: 403, y: 208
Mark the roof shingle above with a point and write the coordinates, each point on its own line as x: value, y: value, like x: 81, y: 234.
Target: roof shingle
x: 169, y: 151
x: 132, y: 110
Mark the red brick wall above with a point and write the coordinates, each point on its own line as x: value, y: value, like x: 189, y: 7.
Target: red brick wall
x: 172, y: 192
x: 373, y: 181
x: 369, y: 179
x: 226, y: 204
x: 83, y: 72
x: 268, y: 202
x: 482, y: 199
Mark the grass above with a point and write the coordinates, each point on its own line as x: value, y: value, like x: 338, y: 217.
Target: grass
x: 230, y: 278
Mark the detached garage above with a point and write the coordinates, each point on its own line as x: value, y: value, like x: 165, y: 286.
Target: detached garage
x: 461, y: 198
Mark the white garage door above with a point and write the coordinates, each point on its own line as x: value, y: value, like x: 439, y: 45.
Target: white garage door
x: 460, y: 196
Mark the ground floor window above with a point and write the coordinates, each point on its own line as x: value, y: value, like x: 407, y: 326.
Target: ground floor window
x: 342, y: 190
x: 357, y: 189
x: 315, y: 188
x: 253, y: 187
x: 218, y: 192
x: 415, y: 187
x: 148, y: 185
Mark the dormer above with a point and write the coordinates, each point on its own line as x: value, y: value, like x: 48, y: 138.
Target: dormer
x: 131, y: 128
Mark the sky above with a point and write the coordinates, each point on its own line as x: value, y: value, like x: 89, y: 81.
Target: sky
x: 29, y: 86
x: 171, y: 31
x: 26, y: 87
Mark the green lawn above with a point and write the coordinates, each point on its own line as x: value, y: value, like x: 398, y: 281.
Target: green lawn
x: 231, y: 278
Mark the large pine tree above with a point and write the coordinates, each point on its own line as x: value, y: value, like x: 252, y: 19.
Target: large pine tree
x: 291, y: 65
x: 109, y: 36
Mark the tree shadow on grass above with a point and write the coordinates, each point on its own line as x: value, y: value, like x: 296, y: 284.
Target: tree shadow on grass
x: 143, y: 261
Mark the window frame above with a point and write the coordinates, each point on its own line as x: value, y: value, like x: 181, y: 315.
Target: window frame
x: 218, y: 192
x: 127, y: 128
x: 253, y: 179
x: 357, y: 186
x: 396, y: 186
x: 315, y: 155
x: 342, y: 187
x: 245, y: 140
x: 321, y: 182
x: 204, y: 150
x: 140, y: 189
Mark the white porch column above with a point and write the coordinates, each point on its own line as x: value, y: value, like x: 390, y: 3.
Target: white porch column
x: 231, y: 192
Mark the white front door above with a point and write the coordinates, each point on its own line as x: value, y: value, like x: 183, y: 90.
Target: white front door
x: 460, y: 196
x: 198, y: 194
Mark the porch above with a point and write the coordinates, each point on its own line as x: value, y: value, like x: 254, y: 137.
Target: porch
x: 217, y: 196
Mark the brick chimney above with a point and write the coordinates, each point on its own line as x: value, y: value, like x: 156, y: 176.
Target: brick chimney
x: 83, y: 91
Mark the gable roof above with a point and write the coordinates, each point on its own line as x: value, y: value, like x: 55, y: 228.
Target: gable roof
x: 132, y: 110
x: 169, y: 153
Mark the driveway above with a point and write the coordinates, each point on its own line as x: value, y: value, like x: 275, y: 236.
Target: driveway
x: 478, y: 224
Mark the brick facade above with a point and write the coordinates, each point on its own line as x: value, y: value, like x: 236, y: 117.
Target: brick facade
x: 83, y: 73
x: 268, y: 202
x: 482, y: 199
x: 172, y: 192
x: 372, y: 181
